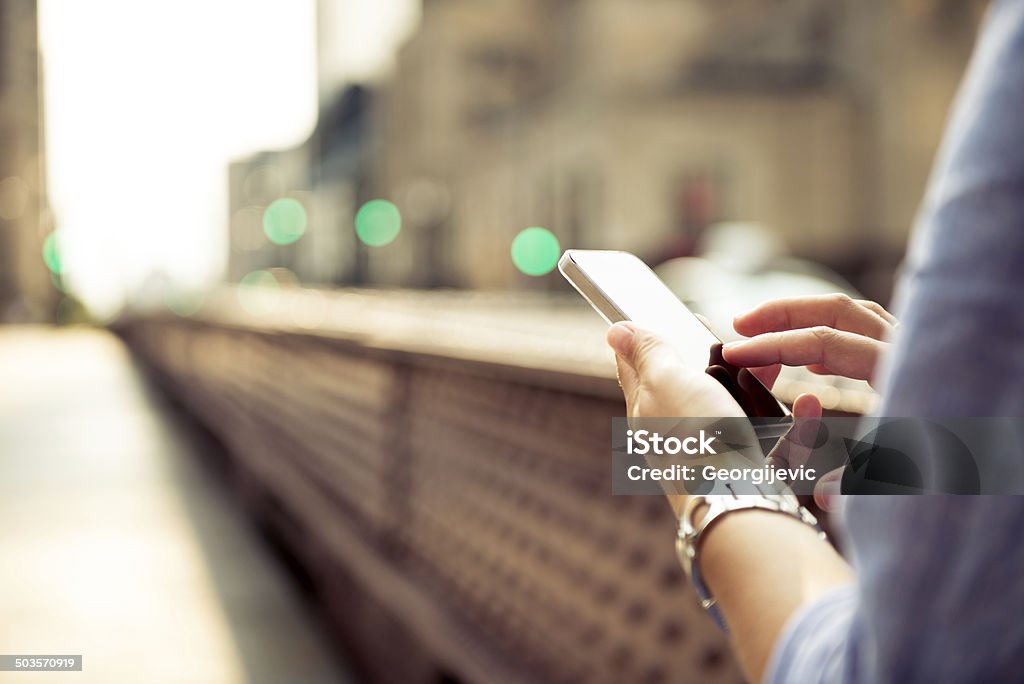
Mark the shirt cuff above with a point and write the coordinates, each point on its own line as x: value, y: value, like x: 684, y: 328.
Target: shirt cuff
x: 815, y: 642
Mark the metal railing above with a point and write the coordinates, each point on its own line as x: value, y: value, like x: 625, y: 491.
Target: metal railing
x: 439, y: 466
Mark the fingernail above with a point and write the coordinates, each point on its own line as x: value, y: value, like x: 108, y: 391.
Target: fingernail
x: 620, y: 336
x: 829, y: 493
x: 732, y: 345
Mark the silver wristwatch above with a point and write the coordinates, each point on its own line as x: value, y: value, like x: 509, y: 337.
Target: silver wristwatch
x: 690, y: 533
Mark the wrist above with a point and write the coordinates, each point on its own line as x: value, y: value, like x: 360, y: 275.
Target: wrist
x: 704, y: 514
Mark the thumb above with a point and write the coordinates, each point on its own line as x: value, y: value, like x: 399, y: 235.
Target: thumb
x: 646, y: 353
x: 795, y: 447
x: 828, y: 489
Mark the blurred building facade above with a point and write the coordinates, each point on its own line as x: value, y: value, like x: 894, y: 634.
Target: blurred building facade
x: 329, y: 173
x: 26, y: 292
x: 627, y: 125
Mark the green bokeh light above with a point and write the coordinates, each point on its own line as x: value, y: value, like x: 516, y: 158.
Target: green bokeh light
x: 184, y: 303
x: 256, y: 292
x: 378, y: 222
x: 284, y: 221
x: 535, y: 251
x: 258, y: 279
x: 51, y: 254
x: 58, y: 282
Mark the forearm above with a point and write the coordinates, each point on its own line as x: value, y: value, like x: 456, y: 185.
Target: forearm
x: 762, y: 567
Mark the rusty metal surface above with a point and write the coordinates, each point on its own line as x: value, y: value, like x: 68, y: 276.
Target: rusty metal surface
x: 454, y: 510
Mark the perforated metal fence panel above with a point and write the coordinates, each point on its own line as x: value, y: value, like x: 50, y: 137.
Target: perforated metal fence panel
x: 454, y: 515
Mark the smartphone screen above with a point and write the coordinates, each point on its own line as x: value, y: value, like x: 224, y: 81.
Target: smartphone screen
x: 621, y: 287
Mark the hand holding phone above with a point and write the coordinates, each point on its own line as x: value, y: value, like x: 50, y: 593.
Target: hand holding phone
x: 621, y: 287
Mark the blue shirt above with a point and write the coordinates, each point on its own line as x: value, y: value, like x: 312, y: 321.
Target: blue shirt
x: 939, y: 595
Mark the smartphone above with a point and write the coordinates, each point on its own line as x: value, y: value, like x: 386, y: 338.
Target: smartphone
x: 621, y: 287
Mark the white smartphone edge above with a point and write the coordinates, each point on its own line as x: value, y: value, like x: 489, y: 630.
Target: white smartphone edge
x: 589, y: 290
x: 601, y: 303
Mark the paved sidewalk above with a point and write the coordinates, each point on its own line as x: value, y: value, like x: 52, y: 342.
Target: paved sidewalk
x: 114, y: 542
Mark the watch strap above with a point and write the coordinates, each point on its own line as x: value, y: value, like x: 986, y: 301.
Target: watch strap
x: 690, y: 534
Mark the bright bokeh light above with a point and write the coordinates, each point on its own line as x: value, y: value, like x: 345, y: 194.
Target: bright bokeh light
x: 535, y: 251
x: 284, y: 221
x: 378, y: 222
x: 184, y: 304
x: 51, y: 253
x: 257, y: 279
x: 247, y: 229
x: 257, y: 292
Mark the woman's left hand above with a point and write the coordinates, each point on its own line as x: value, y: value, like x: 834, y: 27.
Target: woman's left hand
x: 657, y: 384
